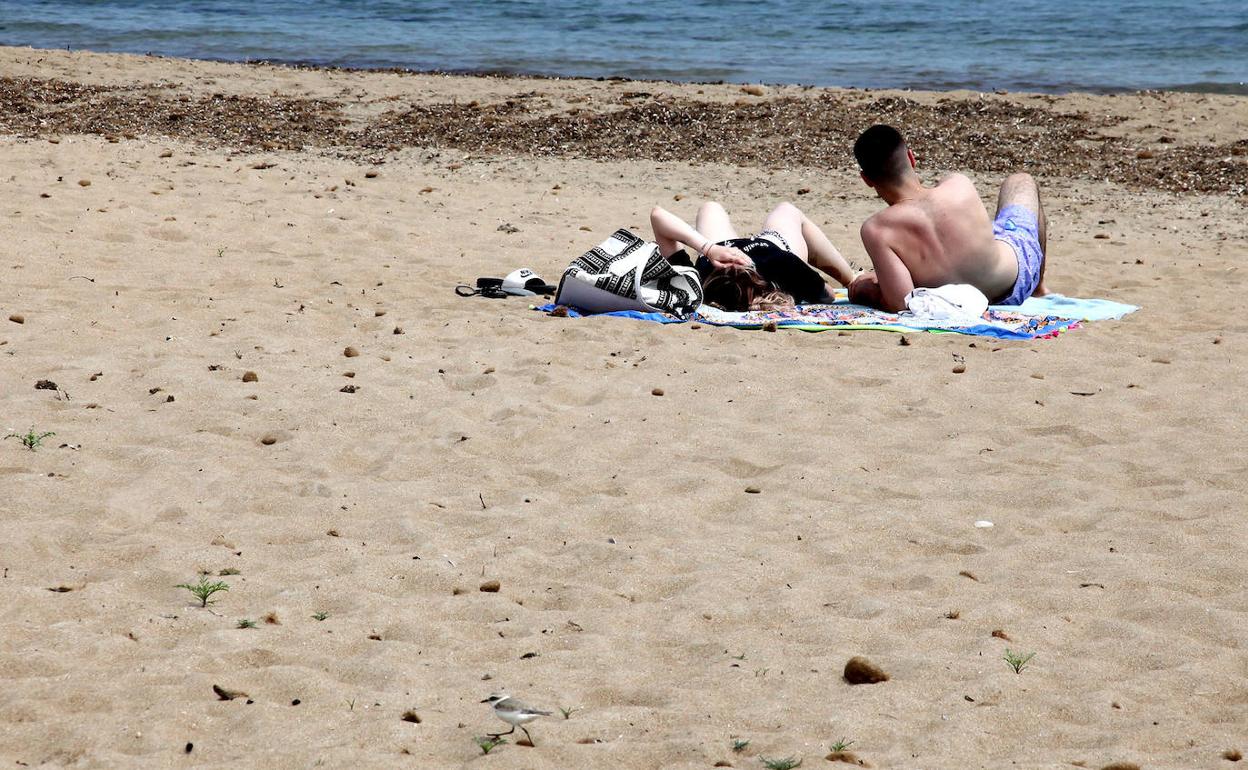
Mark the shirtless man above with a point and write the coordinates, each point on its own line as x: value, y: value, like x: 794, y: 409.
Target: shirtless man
x: 931, y: 236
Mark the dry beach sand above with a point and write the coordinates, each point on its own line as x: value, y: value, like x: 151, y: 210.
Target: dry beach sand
x: 170, y: 226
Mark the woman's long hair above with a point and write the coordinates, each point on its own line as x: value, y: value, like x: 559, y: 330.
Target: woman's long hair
x: 737, y: 288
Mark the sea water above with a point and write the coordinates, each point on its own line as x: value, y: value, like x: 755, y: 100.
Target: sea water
x: 1035, y: 45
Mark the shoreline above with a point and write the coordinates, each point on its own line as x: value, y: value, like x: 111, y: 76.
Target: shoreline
x: 1052, y: 89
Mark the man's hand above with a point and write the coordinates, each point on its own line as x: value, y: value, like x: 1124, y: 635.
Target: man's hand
x: 723, y: 256
x: 865, y: 290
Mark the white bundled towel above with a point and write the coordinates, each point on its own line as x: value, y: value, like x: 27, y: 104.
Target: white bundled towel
x: 952, y: 302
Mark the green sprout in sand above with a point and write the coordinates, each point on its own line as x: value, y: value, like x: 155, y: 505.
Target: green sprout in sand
x: 30, y: 440
x: 739, y: 745
x: 246, y: 623
x: 204, y: 589
x: 567, y: 712
x: 489, y: 743
x: 1016, y: 661
x: 841, y: 745
x: 320, y: 615
x: 788, y: 763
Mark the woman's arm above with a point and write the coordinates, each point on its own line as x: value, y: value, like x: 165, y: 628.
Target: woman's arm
x: 670, y: 231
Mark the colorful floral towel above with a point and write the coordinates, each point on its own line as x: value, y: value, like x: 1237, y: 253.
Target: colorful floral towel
x: 1016, y: 323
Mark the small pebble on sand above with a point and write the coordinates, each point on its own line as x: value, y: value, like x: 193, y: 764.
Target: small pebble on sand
x: 959, y: 368
x: 17, y: 318
x: 84, y: 182
x: 350, y: 352
x: 859, y: 670
x: 656, y: 392
x: 250, y: 377
x: 490, y: 587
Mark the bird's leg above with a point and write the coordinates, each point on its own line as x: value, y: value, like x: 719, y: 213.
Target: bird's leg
x: 500, y: 735
x: 526, y: 735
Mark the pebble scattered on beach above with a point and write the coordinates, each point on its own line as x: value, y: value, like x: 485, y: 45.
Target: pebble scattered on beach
x: 949, y: 134
x: 859, y: 670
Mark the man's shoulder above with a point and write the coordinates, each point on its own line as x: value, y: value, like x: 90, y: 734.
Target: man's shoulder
x: 896, y: 215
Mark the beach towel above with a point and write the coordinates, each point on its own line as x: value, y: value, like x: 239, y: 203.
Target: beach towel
x: 1032, y: 320
x: 1073, y: 307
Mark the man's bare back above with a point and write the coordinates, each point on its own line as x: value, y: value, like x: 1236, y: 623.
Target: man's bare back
x: 932, y: 236
x: 943, y: 236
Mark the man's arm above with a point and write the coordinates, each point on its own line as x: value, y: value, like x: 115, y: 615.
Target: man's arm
x: 893, y: 275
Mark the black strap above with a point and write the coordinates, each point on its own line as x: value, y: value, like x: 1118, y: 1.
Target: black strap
x: 493, y: 292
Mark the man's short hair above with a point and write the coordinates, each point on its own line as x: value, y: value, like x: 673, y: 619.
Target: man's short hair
x: 881, y: 153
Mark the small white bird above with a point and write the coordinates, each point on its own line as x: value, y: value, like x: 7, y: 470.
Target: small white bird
x: 514, y: 713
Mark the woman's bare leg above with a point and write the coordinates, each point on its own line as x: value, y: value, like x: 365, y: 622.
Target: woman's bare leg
x: 825, y: 256
x: 808, y: 242
x: 786, y: 219
x: 713, y: 222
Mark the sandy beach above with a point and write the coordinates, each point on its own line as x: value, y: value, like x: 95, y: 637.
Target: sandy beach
x: 171, y: 226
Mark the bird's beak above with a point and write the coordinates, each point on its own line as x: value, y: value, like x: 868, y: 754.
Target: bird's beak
x: 487, y: 700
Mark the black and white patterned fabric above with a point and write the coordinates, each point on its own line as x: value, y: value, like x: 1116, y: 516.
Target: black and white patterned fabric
x: 626, y: 273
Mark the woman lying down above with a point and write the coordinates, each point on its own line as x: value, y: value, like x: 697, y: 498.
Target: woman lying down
x: 768, y: 271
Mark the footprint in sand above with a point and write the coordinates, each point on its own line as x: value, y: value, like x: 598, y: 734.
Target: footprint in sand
x: 168, y: 234
x: 1070, y: 434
